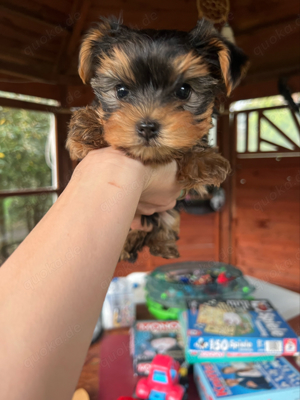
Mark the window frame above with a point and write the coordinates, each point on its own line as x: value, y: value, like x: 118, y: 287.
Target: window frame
x: 26, y: 105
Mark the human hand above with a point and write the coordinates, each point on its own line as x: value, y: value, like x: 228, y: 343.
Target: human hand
x: 158, y: 184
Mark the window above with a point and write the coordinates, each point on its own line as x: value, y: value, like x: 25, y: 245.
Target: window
x: 173, y: 374
x: 266, y: 127
x: 28, y: 172
x: 160, y: 377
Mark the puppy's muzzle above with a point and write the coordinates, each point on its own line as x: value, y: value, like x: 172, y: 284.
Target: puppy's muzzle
x: 148, y: 129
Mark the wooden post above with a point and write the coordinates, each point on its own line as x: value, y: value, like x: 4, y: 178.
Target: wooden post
x: 226, y: 143
x: 64, y: 163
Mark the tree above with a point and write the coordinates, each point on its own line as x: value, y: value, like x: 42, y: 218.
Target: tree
x: 23, y: 142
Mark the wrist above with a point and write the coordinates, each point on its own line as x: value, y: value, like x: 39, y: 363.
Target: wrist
x: 112, y: 167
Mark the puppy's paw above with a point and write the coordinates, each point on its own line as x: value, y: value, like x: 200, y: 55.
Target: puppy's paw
x: 130, y: 257
x: 165, y: 250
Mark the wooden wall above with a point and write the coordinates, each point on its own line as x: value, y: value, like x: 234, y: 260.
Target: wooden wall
x: 266, y: 220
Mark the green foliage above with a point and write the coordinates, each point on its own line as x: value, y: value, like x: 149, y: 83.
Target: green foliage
x: 23, y: 140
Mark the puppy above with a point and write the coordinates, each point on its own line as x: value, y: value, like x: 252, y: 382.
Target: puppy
x: 155, y: 95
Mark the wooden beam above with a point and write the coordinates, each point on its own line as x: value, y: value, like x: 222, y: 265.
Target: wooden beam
x: 30, y: 23
x: 78, y: 26
x: 269, y: 87
x: 36, y: 74
x: 64, y: 163
x: 279, y: 130
x: 262, y: 25
x: 30, y: 88
x: 26, y: 105
x: 279, y: 148
x: 259, y: 76
x: 226, y: 146
x: 68, y: 49
x: 27, y: 192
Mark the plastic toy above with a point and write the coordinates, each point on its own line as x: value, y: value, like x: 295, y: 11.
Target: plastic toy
x: 170, y: 286
x: 162, y: 382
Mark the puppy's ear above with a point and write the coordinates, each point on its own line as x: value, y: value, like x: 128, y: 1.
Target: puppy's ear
x: 94, y: 43
x: 226, y: 61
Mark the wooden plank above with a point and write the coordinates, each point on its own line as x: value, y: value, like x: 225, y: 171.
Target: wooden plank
x: 268, y: 220
x: 29, y: 88
x: 64, y: 163
x: 278, y: 148
x: 28, y: 22
x: 68, y: 50
x: 26, y: 105
x: 24, y: 48
x: 16, y: 55
x: 246, y: 131
x: 268, y: 87
x: 279, y: 130
x: 255, y: 15
x: 38, y: 10
x: 36, y: 74
x: 27, y: 192
x: 217, y: 236
x: 225, y: 143
x: 272, y: 50
x: 148, y: 16
x: 295, y: 120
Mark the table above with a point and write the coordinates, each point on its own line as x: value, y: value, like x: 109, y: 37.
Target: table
x: 89, y: 378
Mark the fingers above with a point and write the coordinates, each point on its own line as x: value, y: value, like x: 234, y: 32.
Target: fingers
x: 137, y: 224
x: 149, y: 209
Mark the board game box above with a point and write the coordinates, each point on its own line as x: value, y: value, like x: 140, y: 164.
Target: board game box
x: 268, y: 380
x: 230, y: 330
x: 148, y: 338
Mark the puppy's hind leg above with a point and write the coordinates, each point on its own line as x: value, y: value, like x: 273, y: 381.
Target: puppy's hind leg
x: 162, y: 239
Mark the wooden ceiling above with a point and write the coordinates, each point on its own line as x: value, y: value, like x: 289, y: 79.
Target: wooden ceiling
x: 40, y: 38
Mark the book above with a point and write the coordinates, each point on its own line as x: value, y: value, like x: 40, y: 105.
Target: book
x: 235, y: 330
x: 268, y: 380
x: 148, y: 338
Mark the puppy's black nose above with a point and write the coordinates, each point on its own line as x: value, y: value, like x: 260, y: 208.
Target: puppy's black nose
x: 148, y: 129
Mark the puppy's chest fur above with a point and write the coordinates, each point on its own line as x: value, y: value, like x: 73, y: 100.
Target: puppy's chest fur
x: 155, y: 94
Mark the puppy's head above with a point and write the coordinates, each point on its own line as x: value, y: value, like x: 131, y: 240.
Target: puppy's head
x: 157, y: 88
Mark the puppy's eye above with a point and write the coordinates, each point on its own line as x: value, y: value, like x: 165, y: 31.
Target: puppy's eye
x: 122, y: 91
x: 183, y: 92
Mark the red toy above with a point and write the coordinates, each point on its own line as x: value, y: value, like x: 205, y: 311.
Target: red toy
x: 223, y: 279
x: 162, y: 381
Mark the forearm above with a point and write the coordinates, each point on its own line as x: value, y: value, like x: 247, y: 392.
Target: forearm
x: 53, y: 286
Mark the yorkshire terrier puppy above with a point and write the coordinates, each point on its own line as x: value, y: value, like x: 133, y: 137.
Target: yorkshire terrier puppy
x: 155, y: 94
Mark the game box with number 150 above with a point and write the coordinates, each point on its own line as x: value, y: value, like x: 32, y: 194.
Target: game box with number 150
x: 241, y: 330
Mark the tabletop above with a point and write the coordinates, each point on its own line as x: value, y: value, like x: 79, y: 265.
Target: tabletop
x: 89, y: 378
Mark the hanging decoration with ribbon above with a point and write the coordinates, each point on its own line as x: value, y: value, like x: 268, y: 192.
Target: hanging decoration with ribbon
x: 217, y: 11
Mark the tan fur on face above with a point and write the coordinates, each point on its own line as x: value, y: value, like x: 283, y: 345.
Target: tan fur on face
x: 178, y: 131
x: 85, y: 68
x: 117, y: 66
x: 224, y: 60
x: 190, y: 66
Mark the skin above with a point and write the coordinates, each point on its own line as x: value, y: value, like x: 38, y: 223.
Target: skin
x: 53, y: 286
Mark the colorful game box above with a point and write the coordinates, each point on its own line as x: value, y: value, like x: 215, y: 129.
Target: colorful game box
x: 149, y: 338
x: 235, y: 330
x: 268, y: 380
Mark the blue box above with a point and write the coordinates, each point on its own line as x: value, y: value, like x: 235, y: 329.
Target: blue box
x: 235, y: 330
x: 268, y: 380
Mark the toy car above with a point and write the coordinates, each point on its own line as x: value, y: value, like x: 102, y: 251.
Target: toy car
x: 162, y: 381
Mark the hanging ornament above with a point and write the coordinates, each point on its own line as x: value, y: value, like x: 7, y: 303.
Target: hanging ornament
x: 227, y: 32
x: 217, y: 12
